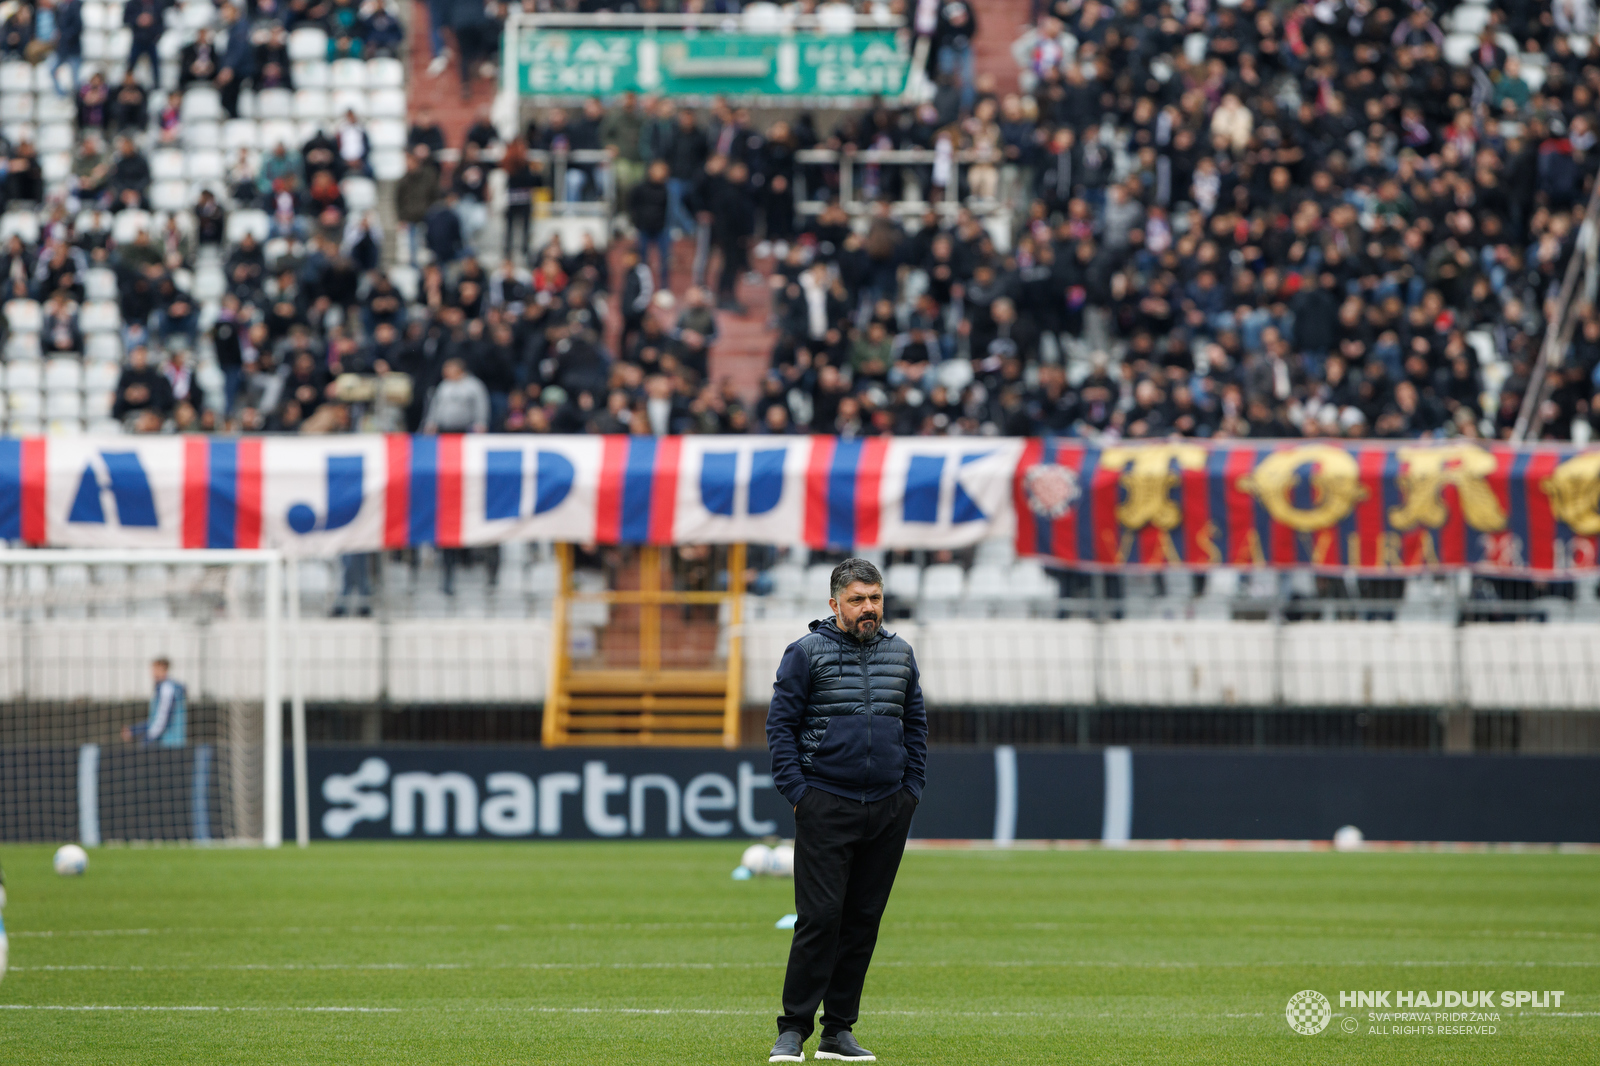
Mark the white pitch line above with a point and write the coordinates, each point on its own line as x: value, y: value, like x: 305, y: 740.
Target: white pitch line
x: 312, y: 967
x: 202, y: 1009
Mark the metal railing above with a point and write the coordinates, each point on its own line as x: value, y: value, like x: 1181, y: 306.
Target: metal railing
x: 759, y: 21
x: 1564, y: 322
x: 925, y: 158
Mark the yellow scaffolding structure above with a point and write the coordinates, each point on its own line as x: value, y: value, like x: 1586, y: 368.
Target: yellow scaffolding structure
x: 649, y: 706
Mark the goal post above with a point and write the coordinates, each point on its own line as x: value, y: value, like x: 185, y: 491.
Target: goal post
x: 92, y: 748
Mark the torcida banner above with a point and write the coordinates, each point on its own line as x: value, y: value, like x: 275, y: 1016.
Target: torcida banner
x: 1327, y: 505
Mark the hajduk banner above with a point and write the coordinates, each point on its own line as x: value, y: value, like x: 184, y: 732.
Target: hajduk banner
x: 1326, y: 505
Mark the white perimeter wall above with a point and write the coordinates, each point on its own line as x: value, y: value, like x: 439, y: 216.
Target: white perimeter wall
x: 997, y: 662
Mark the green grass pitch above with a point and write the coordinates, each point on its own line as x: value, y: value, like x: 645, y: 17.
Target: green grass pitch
x: 444, y: 953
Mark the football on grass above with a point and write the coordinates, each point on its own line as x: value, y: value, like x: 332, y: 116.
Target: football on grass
x: 71, y: 860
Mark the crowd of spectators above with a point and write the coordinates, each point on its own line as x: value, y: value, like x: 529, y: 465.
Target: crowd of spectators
x: 1239, y: 221
x: 1219, y: 221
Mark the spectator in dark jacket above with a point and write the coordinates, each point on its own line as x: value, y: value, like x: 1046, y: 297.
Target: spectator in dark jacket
x: 732, y: 223
x: 144, y: 19
x: 649, y: 209
x: 238, y: 61
x: 141, y: 387
x: 69, y: 43
x: 443, y: 225
x: 685, y: 151
x: 414, y: 194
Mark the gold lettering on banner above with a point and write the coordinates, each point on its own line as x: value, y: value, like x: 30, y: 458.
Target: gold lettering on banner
x: 1168, y: 548
x: 1390, y: 548
x: 1430, y: 549
x: 1322, y: 547
x: 1147, y: 480
x: 1335, y: 486
x: 1252, y: 549
x: 1424, y: 473
x: 1207, y: 539
x: 1574, y: 491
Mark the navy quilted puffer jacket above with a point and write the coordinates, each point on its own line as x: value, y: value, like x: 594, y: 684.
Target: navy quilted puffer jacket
x: 847, y: 717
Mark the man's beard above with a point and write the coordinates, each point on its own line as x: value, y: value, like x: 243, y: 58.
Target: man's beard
x: 856, y: 630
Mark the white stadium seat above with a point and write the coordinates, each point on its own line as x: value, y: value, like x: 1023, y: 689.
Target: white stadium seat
x: 272, y: 132
x: 16, y: 77
x: 308, y: 43
x: 23, y: 346
x: 24, y: 316
x: 387, y: 103
x: 274, y: 103
x: 205, y: 166
x: 24, y: 224
x: 168, y: 165
x: 251, y: 221
x: 169, y: 48
x: 48, y: 107
x: 347, y: 74
x: 100, y: 283
x: 63, y: 405
x: 99, y: 316
x: 386, y: 133
x: 239, y: 133
x: 198, y: 14
x: 25, y: 404
x: 56, y: 167
x: 310, y: 104
x: 360, y: 194
x: 102, y: 348
x: 98, y: 377
x: 348, y: 100
x: 201, y: 135
x: 313, y: 74
x: 63, y: 373
x: 201, y: 105
x: 388, y: 165
x: 386, y: 73
x: 170, y: 196
x: 23, y: 376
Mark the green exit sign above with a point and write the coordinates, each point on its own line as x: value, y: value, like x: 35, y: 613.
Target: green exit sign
x: 561, y: 62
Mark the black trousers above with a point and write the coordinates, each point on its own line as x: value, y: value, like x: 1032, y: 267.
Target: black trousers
x: 735, y: 261
x: 846, y: 854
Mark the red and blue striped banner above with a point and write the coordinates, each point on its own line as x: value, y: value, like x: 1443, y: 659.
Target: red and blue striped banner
x: 1324, y: 505
x: 1320, y: 505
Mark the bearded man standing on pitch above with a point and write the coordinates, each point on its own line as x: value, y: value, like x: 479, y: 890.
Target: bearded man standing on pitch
x: 849, y: 742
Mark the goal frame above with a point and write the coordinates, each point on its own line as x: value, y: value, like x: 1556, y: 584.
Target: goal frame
x: 280, y: 611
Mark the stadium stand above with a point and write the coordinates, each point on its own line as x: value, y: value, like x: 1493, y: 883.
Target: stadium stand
x: 1223, y: 222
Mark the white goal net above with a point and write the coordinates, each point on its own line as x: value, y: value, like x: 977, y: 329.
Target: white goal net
x: 140, y: 696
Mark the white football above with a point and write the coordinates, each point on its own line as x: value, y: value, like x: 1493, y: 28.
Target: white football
x: 756, y: 858
x: 71, y: 860
x: 1348, y: 838
x: 782, y: 861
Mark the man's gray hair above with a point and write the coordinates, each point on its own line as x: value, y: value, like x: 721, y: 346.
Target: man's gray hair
x: 852, y: 570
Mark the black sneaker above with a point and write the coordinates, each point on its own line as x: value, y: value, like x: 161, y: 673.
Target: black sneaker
x: 842, y: 1045
x: 787, y: 1049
